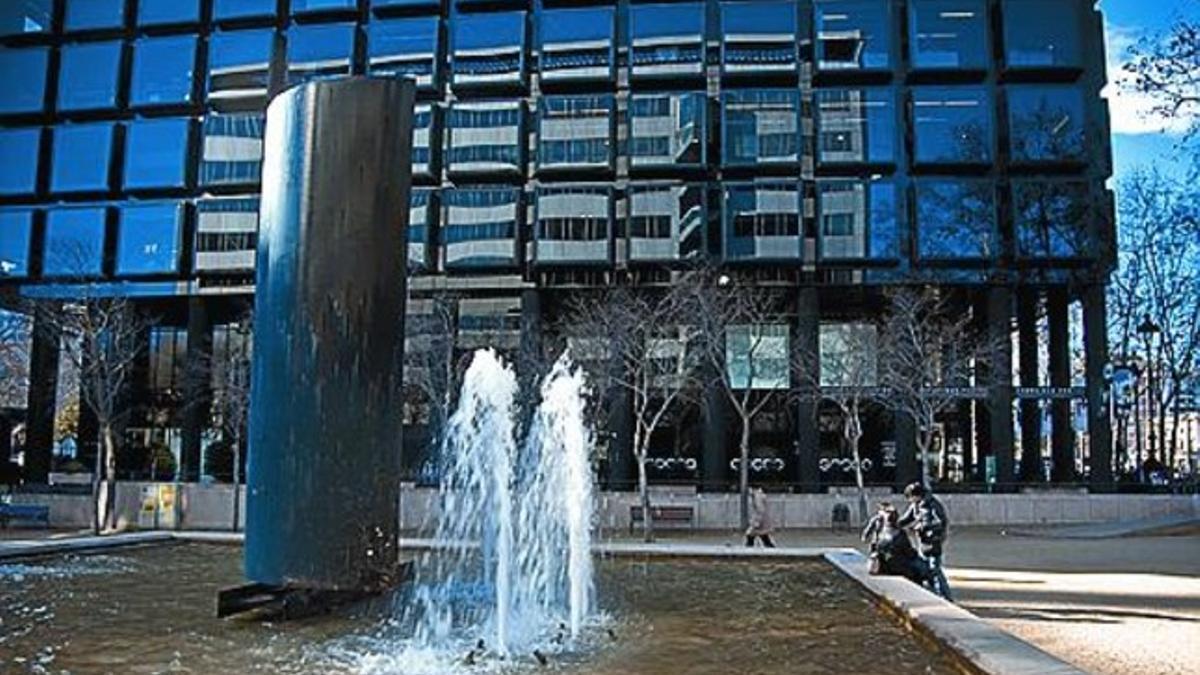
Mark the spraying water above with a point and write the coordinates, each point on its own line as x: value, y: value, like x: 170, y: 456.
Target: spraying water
x: 513, y: 563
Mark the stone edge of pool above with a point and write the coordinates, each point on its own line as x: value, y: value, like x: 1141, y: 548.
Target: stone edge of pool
x: 978, y: 645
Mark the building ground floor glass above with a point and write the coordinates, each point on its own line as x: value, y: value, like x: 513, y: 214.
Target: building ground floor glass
x: 1037, y: 413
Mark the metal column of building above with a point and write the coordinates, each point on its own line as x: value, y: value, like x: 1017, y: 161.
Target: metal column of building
x: 714, y: 465
x: 1030, y: 408
x: 323, y: 480
x: 1062, y: 433
x: 1000, y: 389
x: 621, y: 473
x: 1095, y: 345
x: 808, y: 439
x: 197, y: 387
x: 39, y: 414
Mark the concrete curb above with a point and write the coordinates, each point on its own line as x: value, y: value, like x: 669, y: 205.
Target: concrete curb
x: 1124, y: 528
x: 980, y: 644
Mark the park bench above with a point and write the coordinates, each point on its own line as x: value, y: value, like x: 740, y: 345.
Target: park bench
x: 663, y: 514
x: 24, y: 512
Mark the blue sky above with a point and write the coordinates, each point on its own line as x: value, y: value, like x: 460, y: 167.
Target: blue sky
x: 1140, y: 140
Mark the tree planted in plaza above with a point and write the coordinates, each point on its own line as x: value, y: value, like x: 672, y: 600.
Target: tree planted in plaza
x: 1158, y: 278
x: 640, y: 342
x: 744, y: 341
x: 225, y: 366
x: 928, y: 351
x: 102, y: 336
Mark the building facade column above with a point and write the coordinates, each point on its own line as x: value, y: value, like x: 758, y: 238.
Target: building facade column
x: 1030, y: 408
x: 1095, y: 344
x: 1062, y: 434
x: 805, y: 473
x: 43, y: 394
x: 621, y: 474
x: 1000, y: 389
x: 983, y: 413
x: 714, y: 465
x: 197, y: 387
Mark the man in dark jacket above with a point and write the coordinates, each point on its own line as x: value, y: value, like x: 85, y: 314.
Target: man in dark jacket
x: 926, y: 517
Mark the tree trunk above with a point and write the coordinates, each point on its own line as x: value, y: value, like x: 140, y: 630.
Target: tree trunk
x: 98, y: 500
x: 744, y: 473
x: 109, y: 483
x: 640, y: 441
x: 237, y: 477
x: 923, y: 442
x: 853, y: 439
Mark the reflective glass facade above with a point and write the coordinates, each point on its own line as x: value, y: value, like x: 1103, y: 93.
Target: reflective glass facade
x: 814, y: 134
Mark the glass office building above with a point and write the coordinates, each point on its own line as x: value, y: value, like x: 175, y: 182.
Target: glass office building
x: 828, y: 147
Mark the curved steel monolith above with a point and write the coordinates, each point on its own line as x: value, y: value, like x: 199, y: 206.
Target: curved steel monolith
x: 323, y: 479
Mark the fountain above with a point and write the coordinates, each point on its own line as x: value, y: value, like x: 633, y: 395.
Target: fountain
x: 512, y: 565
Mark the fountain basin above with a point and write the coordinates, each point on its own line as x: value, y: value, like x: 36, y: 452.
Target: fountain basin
x: 682, y: 613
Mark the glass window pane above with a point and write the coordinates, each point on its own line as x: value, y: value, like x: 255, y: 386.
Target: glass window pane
x: 574, y: 130
x: 23, y: 72
x: 302, y: 6
x: 1046, y: 124
x: 238, y: 68
x: 484, y: 136
x: 81, y: 156
x: 317, y: 52
x: 667, y: 39
x: 418, y: 229
x: 404, y: 3
x: 233, y: 149
x: 404, y: 46
x: 226, y: 234
x: 761, y: 126
x: 480, y: 228
x: 853, y: 34
x: 757, y: 356
x: 422, y: 136
x: 666, y: 222
x: 152, y: 12
x: 956, y: 220
x: 149, y: 238
x: 18, y: 170
x: 758, y: 36
x: 74, y: 242
x: 1053, y: 219
x: 488, y: 48
x: 156, y: 153
x: 572, y: 226
x: 16, y: 234
x: 85, y: 14
x: 237, y: 9
x: 666, y: 129
x: 859, y: 220
x: 577, y: 43
x: 88, y: 76
x: 849, y: 355
x: 856, y: 126
x: 948, y: 34
x: 1042, y: 33
x: 162, y: 70
x: 952, y: 125
x: 762, y: 221
x: 25, y: 16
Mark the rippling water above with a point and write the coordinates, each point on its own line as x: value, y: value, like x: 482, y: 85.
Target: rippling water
x: 151, y: 610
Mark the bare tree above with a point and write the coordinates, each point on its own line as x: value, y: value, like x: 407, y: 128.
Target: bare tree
x: 102, y: 336
x: 743, y: 337
x: 430, y: 366
x: 638, y: 341
x: 1166, y: 66
x: 14, y: 358
x: 846, y: 374
x: 225, y: 367
x: 1158, y: 277
x: 927, y: 352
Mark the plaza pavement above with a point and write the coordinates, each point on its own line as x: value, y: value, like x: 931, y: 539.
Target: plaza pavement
x: 1117, y: 606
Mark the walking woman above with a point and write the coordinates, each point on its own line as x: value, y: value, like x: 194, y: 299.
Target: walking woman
x: 760, y: 520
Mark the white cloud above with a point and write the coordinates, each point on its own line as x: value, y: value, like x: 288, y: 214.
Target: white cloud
x: 1131, y: 112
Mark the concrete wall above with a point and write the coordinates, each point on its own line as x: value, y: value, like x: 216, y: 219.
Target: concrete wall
x: 210, y: 507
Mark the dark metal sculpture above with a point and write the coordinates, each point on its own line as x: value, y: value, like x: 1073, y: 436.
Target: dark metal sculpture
x: 323, y: 479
